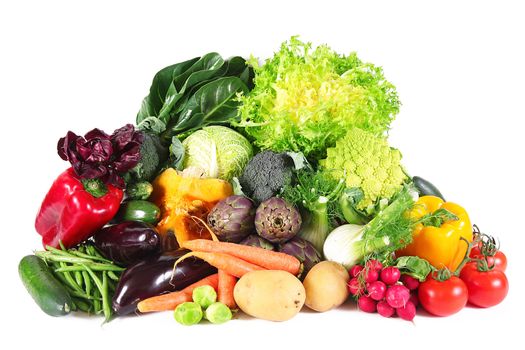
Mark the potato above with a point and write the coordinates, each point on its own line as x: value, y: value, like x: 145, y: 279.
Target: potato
x: 325, y: 286
x: 269, y: 294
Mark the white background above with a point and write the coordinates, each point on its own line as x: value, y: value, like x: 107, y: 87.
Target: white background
x: 459, y: 70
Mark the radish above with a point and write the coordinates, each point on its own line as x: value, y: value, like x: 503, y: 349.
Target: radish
x: 366, y: 304
x: 408, y: 312
x: 354, y: 287
x: 356, y: 270
x: 384, y: 309
x: 410, y: 282
x: 376, y: 290
x: 397, y: 295
x: 414, y: 298
x: 390, y: 275
x: 374, y: 265
x: 371, y: 276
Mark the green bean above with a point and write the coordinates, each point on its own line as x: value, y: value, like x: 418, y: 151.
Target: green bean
x: 78, y: 278
x: 113, y: 276
x: 96, y: 302
x: 70, y: 280
x: 87, y: 281
x: 93, y: 266
x: 105, y: 297
x: 87, y: 256
x: 82, y: 305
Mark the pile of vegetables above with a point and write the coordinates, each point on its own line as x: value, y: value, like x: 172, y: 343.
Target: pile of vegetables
x: 258, y: 187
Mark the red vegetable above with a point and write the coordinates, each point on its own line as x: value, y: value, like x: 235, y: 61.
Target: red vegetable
x: 410, y: 282
x: 443, y: 297
x: 354, y: 287
x: 498, y: 260
x: 486, y: 287
x: 71, y: 213
x: 384, y: 309
x: 407, y: 312
x: 390, y: 275
x: 376, y: 290
x: 366, y: 304
x: 356, y: 270
x: 397, y: 296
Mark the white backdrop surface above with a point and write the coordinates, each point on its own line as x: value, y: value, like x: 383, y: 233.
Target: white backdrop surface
x: 459, y: 70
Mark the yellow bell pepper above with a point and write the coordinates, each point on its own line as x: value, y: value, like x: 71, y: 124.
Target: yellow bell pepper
x: 441, y: 242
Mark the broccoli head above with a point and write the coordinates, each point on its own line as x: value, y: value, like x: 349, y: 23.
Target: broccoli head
x: 152, y: 156
x: 266, y: 174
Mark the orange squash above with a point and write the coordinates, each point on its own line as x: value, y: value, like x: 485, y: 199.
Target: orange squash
x: 181, y: 197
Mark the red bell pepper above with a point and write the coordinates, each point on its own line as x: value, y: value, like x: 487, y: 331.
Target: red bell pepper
x: 75, y: 209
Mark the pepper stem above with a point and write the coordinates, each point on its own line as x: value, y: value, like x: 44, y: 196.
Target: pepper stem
x: 95, y: 187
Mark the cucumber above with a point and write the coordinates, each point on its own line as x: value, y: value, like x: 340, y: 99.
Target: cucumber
x: 426, y: 188
x: 46, y: 290
x: 138, y: 210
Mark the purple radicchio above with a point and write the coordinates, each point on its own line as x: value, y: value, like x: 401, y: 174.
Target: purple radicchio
x: 98, y: 155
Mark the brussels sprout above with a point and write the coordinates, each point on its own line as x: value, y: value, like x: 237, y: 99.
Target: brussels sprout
x: 188, y: 313
x: 276, y: 220
x: 204, y: 296
x: 218, y: 313
x: 232, y: 219
x: 304, y: 251
x: 257, y: 241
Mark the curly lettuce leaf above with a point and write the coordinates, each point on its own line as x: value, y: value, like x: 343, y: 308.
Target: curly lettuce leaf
x: 305, y: 99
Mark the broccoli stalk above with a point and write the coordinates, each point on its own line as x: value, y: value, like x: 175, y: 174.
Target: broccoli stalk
x: 316, y: 194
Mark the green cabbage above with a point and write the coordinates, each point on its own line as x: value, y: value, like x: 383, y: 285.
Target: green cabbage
x: 218, y: 151
x: 305, y: 99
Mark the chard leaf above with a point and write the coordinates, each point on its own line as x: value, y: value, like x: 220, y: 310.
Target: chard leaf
x: 414, y: 266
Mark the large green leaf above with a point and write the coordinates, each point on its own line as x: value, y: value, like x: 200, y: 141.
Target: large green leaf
x: 152, y: 104
x: 213, y: 103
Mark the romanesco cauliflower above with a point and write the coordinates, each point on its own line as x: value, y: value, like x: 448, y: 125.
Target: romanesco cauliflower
x: 366, y: 162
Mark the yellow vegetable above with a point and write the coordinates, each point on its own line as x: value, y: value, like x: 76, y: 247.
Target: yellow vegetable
x: 181, y: 197
x: 271, y: 295
x: 325, y: 286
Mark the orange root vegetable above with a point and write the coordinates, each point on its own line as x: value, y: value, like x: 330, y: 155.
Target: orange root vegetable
x: 168, y: 302
x: 259, y: 256
x: 225, y: 289
x: 230, y: 264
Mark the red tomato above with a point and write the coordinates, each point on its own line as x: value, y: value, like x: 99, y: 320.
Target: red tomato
x: 443, y: 298
x: 499, y: 260
x: 485, y: 288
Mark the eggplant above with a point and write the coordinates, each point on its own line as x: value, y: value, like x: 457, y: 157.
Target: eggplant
x: 155, y: 276
x: 127, y: 242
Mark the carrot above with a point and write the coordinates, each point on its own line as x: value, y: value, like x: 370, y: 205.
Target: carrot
x: 225, y: 289
x: 259, y: 256
x: 170, y: 301
x: 230, y: 264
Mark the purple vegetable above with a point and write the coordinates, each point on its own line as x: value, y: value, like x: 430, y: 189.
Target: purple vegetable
x: 155, y: 276
x: 276, y: 220
x: 232, y: 219
x: 98, y: 155
x: 304, y: 251
x: 257, y: 241
x: 127, y: 242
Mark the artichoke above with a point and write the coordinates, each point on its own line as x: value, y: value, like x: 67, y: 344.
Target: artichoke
x: 257, y: 241
x: 232, y: 218
x: 304, y: 251
x: 276, y: 220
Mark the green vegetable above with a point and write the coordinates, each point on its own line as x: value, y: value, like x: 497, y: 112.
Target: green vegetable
x: 204, y: 296
x: 389, y: 231
x: 316, y: 194
x: 218, y: 313
x: 93, y: 293
x: 305, y: 99
x: 139, y: 190
x: 219, y: 151
x: 366, y: 162
x: 414, y: 266
x: 152, y: 157
x: 426, y: 188
x: 265, y: 175
x: 188, y: 313
x: 43, y: 287
x: 191, y: 94
x: 138, y: 210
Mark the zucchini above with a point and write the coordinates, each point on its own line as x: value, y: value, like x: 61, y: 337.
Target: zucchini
x: 426, y: 188
x: 138, y: 210
x: 46, y: 290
